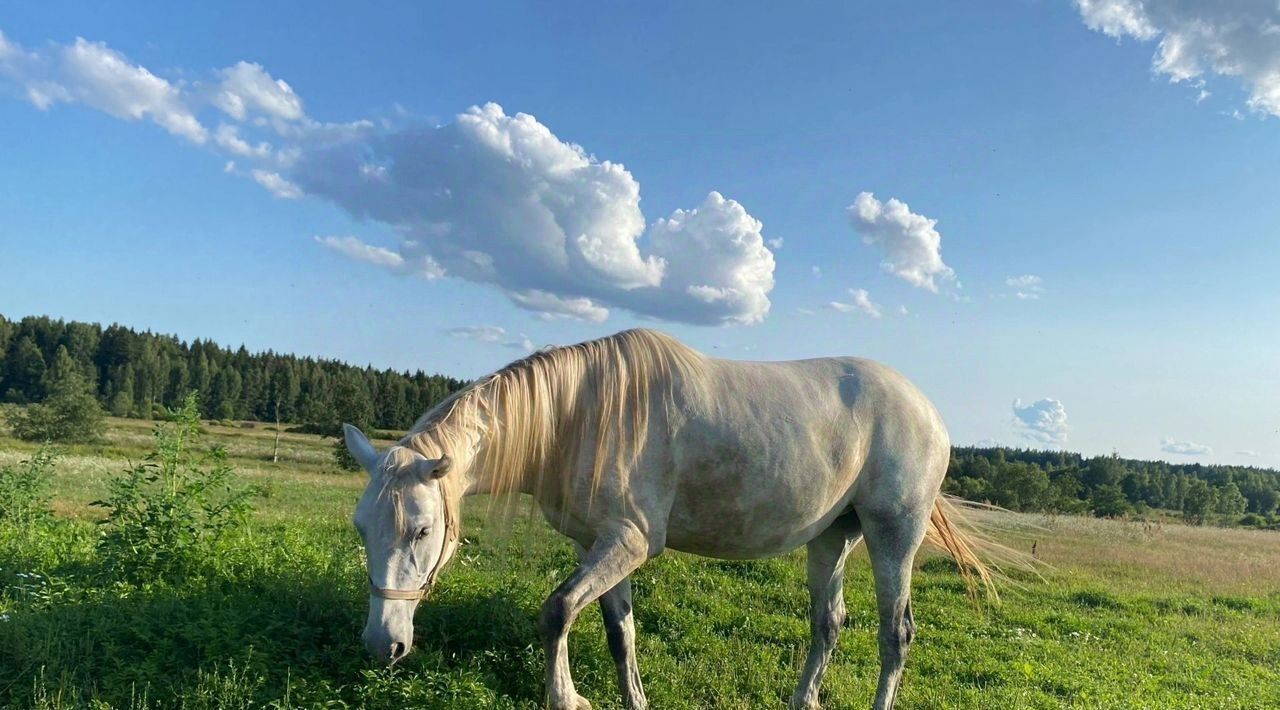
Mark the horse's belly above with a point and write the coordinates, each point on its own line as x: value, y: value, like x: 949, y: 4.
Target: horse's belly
x: 748, y: 524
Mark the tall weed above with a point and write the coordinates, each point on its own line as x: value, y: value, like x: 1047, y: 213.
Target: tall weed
x: 167, y: 513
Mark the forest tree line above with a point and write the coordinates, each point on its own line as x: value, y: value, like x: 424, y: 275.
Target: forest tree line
x: 146, y: 375
x: 1111, y: 486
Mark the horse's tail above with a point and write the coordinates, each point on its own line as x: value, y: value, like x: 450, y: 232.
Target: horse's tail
x: 952, y: 528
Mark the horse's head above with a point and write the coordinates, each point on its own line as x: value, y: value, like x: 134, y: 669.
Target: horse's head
x: 409, y: 534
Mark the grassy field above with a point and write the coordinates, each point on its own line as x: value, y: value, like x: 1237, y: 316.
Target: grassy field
x: 1131, y: 615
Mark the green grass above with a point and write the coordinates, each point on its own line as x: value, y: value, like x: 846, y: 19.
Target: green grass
x: 1130, y: 616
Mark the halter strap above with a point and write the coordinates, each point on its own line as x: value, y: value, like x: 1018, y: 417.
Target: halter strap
x: 401, y: 594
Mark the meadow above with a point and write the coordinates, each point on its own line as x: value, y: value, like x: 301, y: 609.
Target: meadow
x: 1128, y: 614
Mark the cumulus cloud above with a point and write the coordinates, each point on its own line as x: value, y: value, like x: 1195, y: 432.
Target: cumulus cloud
x: 492, y: 334
x: 1043, y: 421
x: 1184, y: 448
x: 491, y: 198
x: 500, y: 200
x: 1197, y: 38
x: 1026, y: 287
x: 861, y: 303
x: 911, y: 244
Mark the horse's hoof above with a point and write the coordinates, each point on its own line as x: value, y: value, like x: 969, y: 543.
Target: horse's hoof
x: 577, y: 703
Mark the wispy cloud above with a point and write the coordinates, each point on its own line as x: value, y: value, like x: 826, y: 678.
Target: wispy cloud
x: 861, y: 303
x: 492, y: 334
x: 1027, y: 287
x: 1184, y: 448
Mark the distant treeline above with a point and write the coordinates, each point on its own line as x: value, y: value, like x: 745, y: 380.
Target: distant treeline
x: 1109, y: 486
x: 145, y: 374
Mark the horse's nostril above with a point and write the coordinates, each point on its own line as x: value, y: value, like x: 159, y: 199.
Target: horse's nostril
x: 397, y: 651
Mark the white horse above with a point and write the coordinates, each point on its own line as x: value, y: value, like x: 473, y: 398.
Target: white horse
x: 635, y: 443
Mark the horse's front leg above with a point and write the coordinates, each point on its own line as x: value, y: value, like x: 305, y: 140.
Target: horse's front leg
x: 614, y: 555
x: 620, y: 629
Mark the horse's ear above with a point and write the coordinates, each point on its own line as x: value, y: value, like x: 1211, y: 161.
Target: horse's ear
x: 430, y: 469
x: 360, y: 448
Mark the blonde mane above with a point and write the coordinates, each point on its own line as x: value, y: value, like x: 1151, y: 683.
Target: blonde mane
x: 526, y: 426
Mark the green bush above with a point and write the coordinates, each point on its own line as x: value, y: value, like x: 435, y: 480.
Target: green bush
x: 71, y: 415
x: 25, y: 490
x: 169, y: 512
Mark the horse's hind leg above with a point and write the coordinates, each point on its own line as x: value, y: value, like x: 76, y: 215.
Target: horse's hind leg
x: 620, y: 629
x: 827, y: 554
x: 892, y: 541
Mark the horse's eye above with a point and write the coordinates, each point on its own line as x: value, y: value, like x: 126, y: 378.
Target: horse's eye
x: 422, y: 534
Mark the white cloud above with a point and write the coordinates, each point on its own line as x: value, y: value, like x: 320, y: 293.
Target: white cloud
x: 93, y: 74
x: 1235, y: 38
x: 491, y: 198
x: 276, y: 185
x: 500, y: 200
x: 1250, y: 453
x: 550, y: 306
x: 353, y: 248
x: 902, y: 311
x: 1026, y: 287
x: 228, y: 138
x: 248, y: 89
x: 358, y: 250
x: 1184, y: 448
x: 482, y: 333
x: 911, y: 245
x: 1043, y: 421
x: 492, y: 334
x: 718, y: 269
x: 1028, y: 281
x: 775, y: 243
x: 861, y: 303
x: 817, y: 272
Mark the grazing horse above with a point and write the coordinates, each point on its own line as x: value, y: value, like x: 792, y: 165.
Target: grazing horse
x: 635, y: 443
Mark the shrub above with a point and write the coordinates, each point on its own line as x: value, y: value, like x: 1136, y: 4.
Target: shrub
x: 172, y: 509
x: 71, y: 415
x: 25, y: 490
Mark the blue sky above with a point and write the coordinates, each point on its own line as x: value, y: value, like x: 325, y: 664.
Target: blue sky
x: 1122, y: 154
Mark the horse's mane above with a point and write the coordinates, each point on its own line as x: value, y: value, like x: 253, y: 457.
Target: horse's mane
x: 539, y: 415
